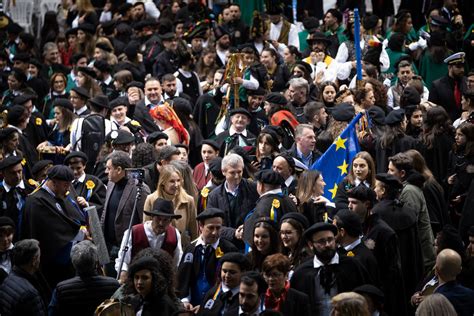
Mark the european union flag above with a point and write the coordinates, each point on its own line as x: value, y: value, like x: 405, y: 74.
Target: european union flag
x: 334, y: 163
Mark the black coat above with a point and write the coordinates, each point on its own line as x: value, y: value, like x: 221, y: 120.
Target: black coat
x: 97, y: 195
x: 436, y: 204
x: 161, y: 305
x: 82, y: 295
x: 296, y: 303
x: 349, y: 274
x: 141, y: 113
x: 280, y: 78
x: 437, y: 157
x: 366, y: 258
x: 205, y: 113
x: 315, y: 212
x: 227, y: 143
x: 37, y: 130
x: 398, y: 145
x: 442, y: 93
x: 166, y: 63
x: 211, y: 307
x: 8, y: 204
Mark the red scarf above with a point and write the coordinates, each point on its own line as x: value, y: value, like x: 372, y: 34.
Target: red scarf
x: 274, y: 303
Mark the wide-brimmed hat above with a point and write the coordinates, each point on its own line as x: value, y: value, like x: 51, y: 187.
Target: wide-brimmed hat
x: 163, y: 207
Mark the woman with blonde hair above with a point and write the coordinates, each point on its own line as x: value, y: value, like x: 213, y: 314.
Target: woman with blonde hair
x: 82, y: 12
x: 436, y: 305
x: 105, y: 51
x: 187, y: 175
x: 167, y: 119
x: 349, y: 304
x: 170, y: 187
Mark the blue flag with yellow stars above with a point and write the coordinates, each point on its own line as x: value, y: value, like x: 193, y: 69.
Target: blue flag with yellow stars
x: 334, y: 163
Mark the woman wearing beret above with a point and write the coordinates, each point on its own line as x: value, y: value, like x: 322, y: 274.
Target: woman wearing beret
x: 85, y: 79
x: 292, y: 226
x: 10, y: 142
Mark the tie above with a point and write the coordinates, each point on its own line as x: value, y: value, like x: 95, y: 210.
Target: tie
x: 19, y: 198
x: 457, y: 94
x: 5, y: 255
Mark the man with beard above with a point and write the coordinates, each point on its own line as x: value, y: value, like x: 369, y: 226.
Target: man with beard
x: 236, y: 27
x: 170, y: 90
x: 328, y: 274
x: 281, y: 31
x: 316, y: 115
x: 222, y: 45
x: 447, y: 91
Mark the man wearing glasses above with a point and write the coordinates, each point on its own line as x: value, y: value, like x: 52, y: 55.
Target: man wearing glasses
x: 328, y: 274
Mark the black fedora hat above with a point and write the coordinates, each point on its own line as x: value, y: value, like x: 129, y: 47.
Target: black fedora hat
x: 162, y: 207
x: 100, y: 101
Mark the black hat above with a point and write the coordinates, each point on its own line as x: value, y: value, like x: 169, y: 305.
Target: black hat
x: 274, y: 7
x: 167, y: 36
x: 71, y: 31
x: 104, y: 46
x: 362, y: 193
x: 319, y: 227
x: 6, y: 132
x: 9, y: 162
x: 269, y: 176
x: 211, y: 143
x: 86, y: 28
x: 276, y: 98
x: 6, y: 221
x: 64, y: 103
x: 259, y: 91
x: 14, y: 28
x: 118, y: 102
x: 240, y: 111
x: 24, y: 57
x: 372, y: 291
x: 156, y: 136
x: 75, y: 154
x: 395, y: 117
x: 88, y: 71
x: 36, y: 63
x: 108, y: 27
x: 350, y: 221
x: 40, y: 165
x: 237, y: 258
x: 23, y: 98
x: 215, y: 167
x: 162, y: 207
x: 310, y: 23
x: 123, y: 138
x: 182, y: 106
x: 219, y: 32
x: 60, y: 172
x: 102, y: 66
x: 210, y: 212
x: 377, y: 115
x: 411, y: 96
x: 124, y: 8
x: 136, y: 84
x: 440, y: 21
x: 14, y: 114
x: 100, y: 101
x: 144, y: 263
x: 82, y: 92
x: 370, y: 21
x: 289, y: 159
x: 131, y: 50
x: 389, y: 180
x: 343, y: 112
x: 273, y: 136
x: 305, y: 65
x: 297, y: 217
x: 318, y: 36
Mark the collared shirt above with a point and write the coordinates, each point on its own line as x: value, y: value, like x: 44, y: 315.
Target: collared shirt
x: 227, y: 190
x: 274, y: 191
x: 318, y: 264
x: 150, y: 105
x: 242, y: 142
x: 20, y: 185
x: 81, y: 110
x: 6, y: 265
x: 352, y: 245
x: 108, y: 80
x: 82, y: 178
x: 155, y: 241
x: 289, y: 181
x: 306, y: 160
x: 261, y: 308
x: 201, y: 242
x: 357, y: 182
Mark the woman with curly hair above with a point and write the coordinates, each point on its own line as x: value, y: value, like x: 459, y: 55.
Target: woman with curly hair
x: 166, y: 118
x: 438, y: 139
x: 379, y: 90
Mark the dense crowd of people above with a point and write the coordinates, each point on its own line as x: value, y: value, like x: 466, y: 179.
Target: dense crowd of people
x: 159, y: 158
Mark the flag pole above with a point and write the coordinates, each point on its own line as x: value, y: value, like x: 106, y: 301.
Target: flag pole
x: 357, y: 45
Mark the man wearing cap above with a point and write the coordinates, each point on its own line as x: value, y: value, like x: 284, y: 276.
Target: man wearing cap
x: 119, y: 201
x: 37, y: 128
x: 201, y: 173
x: 86, y: 189
x: 197, y: 271
x: 328, y: 274
x: 158, y: 233
x: 281, y: 31
x: 223, y: 298
x: 78, y: 97
x: 222, y: 45
x: 374, y: 297
x: 324, y: 66
x: 166, y: 61
x: 39, y: 172
x: 50, y: 217
x: 7, y: 231
x: 237, y: 134
x: 13, y: 189
x: 383, y: 241
x: 447, y: 91
x: 104, y: 79
x: 158, y: 140
x: 403, y: 220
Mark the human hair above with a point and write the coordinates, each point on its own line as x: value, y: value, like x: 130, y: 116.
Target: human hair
x: 299, y: 253
x: 335, y: 128
x: 437, y: 48
x: 363, y: 194
x: 276, y: 261
x: 53, y: 78
x: 159, y: 283
x: 202, y: 69
x: 20, y: 76
x: 84, y: 6
x: 437, y: 122
x: 467, y: 129
x: 360, y: 95
x: 272, y: 52
x: 402, y: 161
x: 419, y: 164
x: 187, y: 175
x: 401, y: 22
x: 7, y: 230
x: 409, y: 111
x: 370, y: 163
x: 311, y: 109
x: 391, y: 192
x: 68, y: 117
x: 449, y: 238
x: 436, y: 305
x: 120, y: 159
x: 341, y: 95
x: 143, y: 154
x: 24, y: 251
x: 165, y: 175
x: 270, y: 140
x: 87, y: 47
x: 300, y: 129
x: 294, y: 51
x: 232, y: 160
x: 250, y: 278
x: 390, y: 134
x: 48, y: 47
x: 299, y: 83
x: 167, y: 77
x: 325, y: 84
x: 166, y: 153
x: 84, y: 258
x: 350, y: 304
x: 306, y: 183
x: 91, y: 85
x: 107, y: 56
x: 380, y: 92
x: 306, y: 74
x: 335, y: 13
x: 124, y: 77
x: 256, y: 257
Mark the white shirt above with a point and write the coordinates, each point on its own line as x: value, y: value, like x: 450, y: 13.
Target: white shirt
x: 20, y: 185
x: 6, y: 265
x: 275, y: 191
x: 155, y: 241
x: 81, y: 110
x: 319, y: 264
x: 293, y: 39
x: 186, y: 74
x: 352, y: 245
x: 289, y: 181
x: 76, y: 131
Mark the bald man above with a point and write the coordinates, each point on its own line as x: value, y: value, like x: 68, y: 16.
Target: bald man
x: 448, y: 266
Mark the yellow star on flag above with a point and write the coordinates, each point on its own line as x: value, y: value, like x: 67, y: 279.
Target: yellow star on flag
x: 340, y: 143
x: 343, y: 167
x: 333, y: 191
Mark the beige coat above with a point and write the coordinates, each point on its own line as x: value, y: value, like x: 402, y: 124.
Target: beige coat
x: 186, y: 207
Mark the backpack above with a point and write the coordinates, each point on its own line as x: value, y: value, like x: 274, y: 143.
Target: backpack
x: 92, y: 138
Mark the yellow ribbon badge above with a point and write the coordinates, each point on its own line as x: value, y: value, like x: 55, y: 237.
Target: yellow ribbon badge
x: 205, y: 192
x: 219, y: 252
x: 90, y: 185
x: 134, y: 123
x: 350, y: 254
x: 276, y: 203
x: 38, y: 121
x: 23, y: 162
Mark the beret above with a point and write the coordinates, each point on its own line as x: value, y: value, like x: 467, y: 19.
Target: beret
x: 118, y: 102
x: 297, y: 217
x: 75, y: 154
x: 372, y: 291
x: 211, y: 143
x: 276, y: 98
x: 411, y: 96
x: 273, y: 134
x: 104, y: 46
x: 14, y: 114
x: 88, y: 71
x: 439, y: 20
x: 389, y: 180
x: 269, y: 176
x: 24, y: 57
x: 71, y: 31
x: 237, y: 258
x: 240, y: 111
x: 305, y: 65
x: 6, y: 221
x: 215, y: 167
x: 123, y: 138
x: 6, y: 132
x: 108, y: 27
x: 377, y: 115
x: 82, y: 92
x: 370, y: 21
x: 289, y: 159
x: 162, y: 207
x: 144, y: 263
x: 86, y: 28
x: 14, y: 28
x: 362, y: 193
x: 219, y: 32
x: 40, y: 165
x: 136, y: 84
x: 259, y: 91
x: 102, y: 66
x: 10, y: 161
x: 23, y: 98
x: 36, y: 63
x: 343, y: 112
x: 182, y: 106
x: 210, y: 212
x: 350, y: 221
x: 131, y: 50
x: 64, y: 103
x: 167, y: 36
x: 319, y: 227
x: 395, y: 117
x: 156, y: 136
x: 100, y: 101
x: 60, y: 172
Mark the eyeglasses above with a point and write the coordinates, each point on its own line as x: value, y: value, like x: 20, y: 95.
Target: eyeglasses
x: 274, y: 275
x: 324, y: 241
x: 287, y: 232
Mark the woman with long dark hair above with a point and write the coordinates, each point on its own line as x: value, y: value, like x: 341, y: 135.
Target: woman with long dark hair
x: 293, y: 244
x: 264, y: 242
x: 278, y: 74
x: 58, y: 84
x: 328, y: 93
x: 290, y: 56
x: 266, y: 148
x: 16, y: 86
